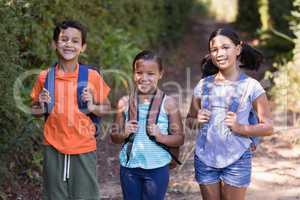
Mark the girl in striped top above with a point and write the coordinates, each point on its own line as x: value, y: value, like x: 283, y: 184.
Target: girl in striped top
x: 148, y: 123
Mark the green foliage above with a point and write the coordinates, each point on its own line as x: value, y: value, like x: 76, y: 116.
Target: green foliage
x: 280, y: 14
x: 248, y: 18
x: 276, y: 40
x: 287, y: 79
x: 117, y: 30
x: 286, y: 84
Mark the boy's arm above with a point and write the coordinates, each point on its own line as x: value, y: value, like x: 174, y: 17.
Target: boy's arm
x: 100, y: 109
x: 96, y: 94
x: 37, y: 110
x: 39, y: 96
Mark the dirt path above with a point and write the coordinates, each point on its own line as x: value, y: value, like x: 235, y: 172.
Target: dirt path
x: 276, y: 164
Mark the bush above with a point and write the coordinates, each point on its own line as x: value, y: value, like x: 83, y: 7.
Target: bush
x: 248, y: 17
x: 287, y: 79
x: 280, y: 14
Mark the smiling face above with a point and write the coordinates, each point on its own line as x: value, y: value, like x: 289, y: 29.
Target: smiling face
x: 69, y: 45
x: 224, y: 52
x: 146, y: 75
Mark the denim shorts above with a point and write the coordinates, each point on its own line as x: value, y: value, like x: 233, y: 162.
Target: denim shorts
x: 237, y: 174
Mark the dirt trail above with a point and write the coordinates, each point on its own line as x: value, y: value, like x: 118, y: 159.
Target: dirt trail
x: 276, y: 163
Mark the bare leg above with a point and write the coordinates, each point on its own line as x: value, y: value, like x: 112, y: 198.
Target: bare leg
x: 233, y: 193
x: 211, y: 192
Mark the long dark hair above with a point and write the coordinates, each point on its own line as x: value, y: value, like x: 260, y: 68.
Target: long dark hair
x: 250, y: 57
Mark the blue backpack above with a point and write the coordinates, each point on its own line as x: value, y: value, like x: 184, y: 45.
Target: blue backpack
x: 233, y: 107
x: 82, y: 82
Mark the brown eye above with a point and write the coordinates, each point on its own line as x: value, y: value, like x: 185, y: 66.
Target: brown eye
x: 64, y: 39
x: 213, y: 50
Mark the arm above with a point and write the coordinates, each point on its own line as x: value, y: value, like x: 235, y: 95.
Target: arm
x: 265, y: 125
x: 96, y: 94
x: 176, y: 136
x: 121, y: 130
x: 191, y: 119
x: 100, y: 109
x: 38, y: 107
x: 39, y: 96
x: 37, y: 110
x: 197, y: 116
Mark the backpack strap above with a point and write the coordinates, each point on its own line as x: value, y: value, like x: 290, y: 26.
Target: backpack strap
x: 206, y: 91
x: 50, y: 86
x: 236, y: 103
x: 154, y: 110
x: 82, y: 82
x: 253, y: 119
x: 133, y: 114
x: 152, y: 118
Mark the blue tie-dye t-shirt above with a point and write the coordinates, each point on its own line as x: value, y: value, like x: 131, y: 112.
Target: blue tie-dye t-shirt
x: 217, y: 146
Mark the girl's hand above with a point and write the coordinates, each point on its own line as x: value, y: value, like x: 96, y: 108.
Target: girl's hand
x: 203, y: 115
x: 153, y: 130
x: 130, y: 127
x: 231, y: 121
x: 44, y: 97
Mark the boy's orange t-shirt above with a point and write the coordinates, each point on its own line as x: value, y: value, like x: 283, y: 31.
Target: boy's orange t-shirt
x: 67, y: 129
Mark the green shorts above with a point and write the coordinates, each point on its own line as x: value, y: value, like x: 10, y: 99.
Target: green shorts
x: 69, y: 177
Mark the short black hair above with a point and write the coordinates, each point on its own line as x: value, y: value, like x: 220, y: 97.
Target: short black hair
x: 70, y: 24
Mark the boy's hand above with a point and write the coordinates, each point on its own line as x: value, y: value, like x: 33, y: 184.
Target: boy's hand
x: 130, y: 127
x: 231, y: 121
x: 203, y: 115
x: 87, y: 96
x: 44, y: 97
x: 153, y: 130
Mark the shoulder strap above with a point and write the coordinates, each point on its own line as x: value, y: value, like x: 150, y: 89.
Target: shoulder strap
x: 206, y: 91
x: 50, y: 86
x: 152, y: 118
x: 237, y: 102
x: 154, y: 109
x: 82, y: 82
x: 132, y: 115
x: 133, y: 106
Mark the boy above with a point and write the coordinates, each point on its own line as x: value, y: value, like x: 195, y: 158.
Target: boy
x: 69, y: 167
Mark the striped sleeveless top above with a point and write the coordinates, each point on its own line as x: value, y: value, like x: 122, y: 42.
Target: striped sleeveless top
x: 145, y: 153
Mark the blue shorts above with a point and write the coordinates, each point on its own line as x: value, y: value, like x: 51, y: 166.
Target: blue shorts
x: 146, y: 184
x: 237, y: 174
